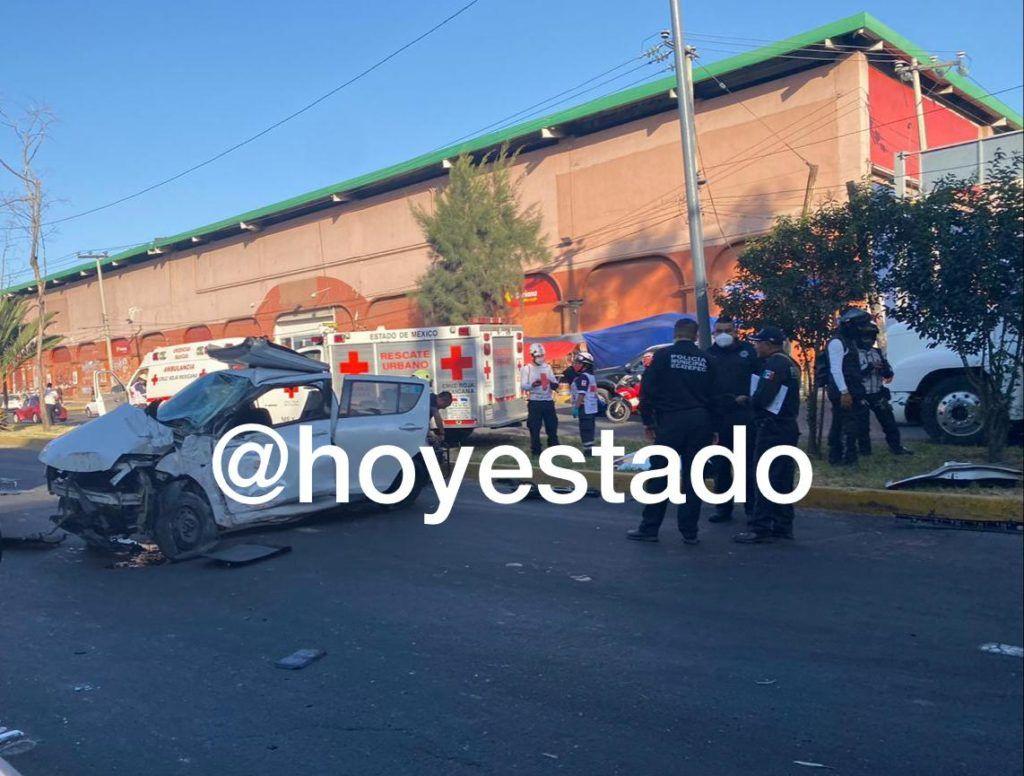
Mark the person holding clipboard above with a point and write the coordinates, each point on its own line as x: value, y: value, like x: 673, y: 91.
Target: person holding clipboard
x: 775, y: 402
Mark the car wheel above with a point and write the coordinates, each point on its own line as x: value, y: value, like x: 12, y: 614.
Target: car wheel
x: 457, y: 436
x: 184, y: 527
x: 618, y: 410
x: 951, y: 412
x: 421, y: 480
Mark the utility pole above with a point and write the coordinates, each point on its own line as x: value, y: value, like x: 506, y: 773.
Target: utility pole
x: 688, y: 132
x: 97, y: 257
x: 912, y: 73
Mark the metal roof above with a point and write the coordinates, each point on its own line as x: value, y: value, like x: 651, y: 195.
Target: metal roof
x: 743, y: 70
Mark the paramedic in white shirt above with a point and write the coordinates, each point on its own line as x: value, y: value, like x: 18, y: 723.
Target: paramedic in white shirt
x: 538, y: 381
x: 584, y: 397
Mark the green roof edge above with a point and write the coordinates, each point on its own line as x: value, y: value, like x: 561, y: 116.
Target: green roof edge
x: 862, y: 20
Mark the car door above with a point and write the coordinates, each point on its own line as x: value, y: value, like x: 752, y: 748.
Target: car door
x: 323, y: 467
x: 376, y: 411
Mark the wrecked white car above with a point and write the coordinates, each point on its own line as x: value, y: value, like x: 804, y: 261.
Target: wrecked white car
x: 149, y: 473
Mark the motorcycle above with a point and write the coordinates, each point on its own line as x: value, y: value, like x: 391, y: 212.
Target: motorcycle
x: 626, y: 400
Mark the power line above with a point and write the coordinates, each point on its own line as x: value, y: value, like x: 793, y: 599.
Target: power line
x: 359, y: 76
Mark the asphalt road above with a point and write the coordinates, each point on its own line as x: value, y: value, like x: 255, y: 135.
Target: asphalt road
x: 530, y: 639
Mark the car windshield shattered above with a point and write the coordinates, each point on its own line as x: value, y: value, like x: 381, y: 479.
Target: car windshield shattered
x: 197, y: 404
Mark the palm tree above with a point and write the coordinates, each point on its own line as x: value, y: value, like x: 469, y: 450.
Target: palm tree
x: 18, y: 337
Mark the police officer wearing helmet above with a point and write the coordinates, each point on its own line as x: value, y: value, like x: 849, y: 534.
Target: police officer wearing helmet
x: 876, y: 372
x: 736, y: 361
x: 538, y: 380
x: 677, y: 404
x: 775, y: 404
x: 844, y: 385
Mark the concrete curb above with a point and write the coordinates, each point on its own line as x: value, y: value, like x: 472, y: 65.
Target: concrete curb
x: 866, y: 501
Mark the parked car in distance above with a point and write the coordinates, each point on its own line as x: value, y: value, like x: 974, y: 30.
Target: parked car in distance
x: 30, y: 412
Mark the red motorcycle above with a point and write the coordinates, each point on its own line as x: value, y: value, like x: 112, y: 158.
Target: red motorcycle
x: 626, y: 400
x: 627, y: 393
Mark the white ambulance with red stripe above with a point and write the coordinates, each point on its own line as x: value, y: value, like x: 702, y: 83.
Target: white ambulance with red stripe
x: 478, y: 363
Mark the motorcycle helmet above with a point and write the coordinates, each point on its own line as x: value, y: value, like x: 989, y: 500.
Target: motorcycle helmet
x: 537, y: 350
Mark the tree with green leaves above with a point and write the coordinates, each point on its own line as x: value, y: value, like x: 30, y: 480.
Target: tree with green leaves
x: 798, y: 276
x: 481, y: 238
x: 955, y: 273
x: 18, y: 338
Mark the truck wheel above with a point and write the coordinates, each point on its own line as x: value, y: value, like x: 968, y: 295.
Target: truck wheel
x: 184, y: 526
x: 618, y: 410
x: 951, y: 412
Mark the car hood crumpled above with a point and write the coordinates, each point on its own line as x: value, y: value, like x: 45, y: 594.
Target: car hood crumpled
x: 96, y: 445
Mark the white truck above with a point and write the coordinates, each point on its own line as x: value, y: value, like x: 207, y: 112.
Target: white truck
x: 478, y: 363
x: 930, y: 388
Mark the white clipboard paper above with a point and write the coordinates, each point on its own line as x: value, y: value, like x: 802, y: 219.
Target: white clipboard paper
x: 780, y: 397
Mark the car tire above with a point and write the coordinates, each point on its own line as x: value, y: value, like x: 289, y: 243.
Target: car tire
x: 951, y: 412
x: 457, y: 436
x: 421, y: 481
x: 184, y: 527
x: 618, y: 410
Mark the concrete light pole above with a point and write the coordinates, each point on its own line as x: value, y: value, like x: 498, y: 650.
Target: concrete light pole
x: 97, y: 257
x: 688, y: 132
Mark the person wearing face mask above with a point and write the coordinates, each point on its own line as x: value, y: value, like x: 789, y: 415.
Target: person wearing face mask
x: 538, y: 380
x: 876, y: 372
x: 736, y: 361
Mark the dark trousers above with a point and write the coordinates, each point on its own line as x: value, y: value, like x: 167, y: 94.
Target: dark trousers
x: 51, y: 412
x: 541, y: 413
x: 878, y: 403
x: 846, y: 427
x: 588, y: 428
x: 769, y: 517
x: 685, y: 432
x: 721, y: 469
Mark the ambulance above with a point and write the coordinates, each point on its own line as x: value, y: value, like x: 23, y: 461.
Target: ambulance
x: 478, y: 363
x: 162, y: 373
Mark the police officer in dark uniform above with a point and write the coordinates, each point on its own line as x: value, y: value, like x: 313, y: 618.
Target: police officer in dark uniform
x: 876, y: 372
x: 735, y: 362
x: 677, y: 404
x: 775, y: 403
x: 844, y: 385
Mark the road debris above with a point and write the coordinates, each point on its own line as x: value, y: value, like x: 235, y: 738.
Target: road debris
x: 513, y: 565
x: 580, y: 578
x: 300, y: 659
x: 242, y: 554
x: 807, y: 764
x: 8, y: 486
x: 766, y: 681
x: 1002, y: 649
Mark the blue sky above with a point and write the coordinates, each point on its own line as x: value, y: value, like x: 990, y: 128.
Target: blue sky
x: 143, y: 90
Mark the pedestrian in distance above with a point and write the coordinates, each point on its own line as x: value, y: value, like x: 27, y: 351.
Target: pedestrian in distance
x: 776, y: 405
x: 439, y: 401
x: 840, y: 372
x: 876, y: 372
x: 677, y: 405
x: 735, y: 361
x: 584, y: 398
x: 51, y: 400
x: 538, y: 380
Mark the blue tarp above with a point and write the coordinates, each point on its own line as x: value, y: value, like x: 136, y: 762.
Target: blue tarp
x: 616, y: 345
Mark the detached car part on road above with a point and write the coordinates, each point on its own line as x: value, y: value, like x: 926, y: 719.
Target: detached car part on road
x: 149, y: 473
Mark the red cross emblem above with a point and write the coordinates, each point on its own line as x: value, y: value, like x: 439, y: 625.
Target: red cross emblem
x: 487, y: 371
x: 353, y: 366
x: 153, y: 379
x: 291, y: 390
x: 456, y: 362
x: 202, y: 373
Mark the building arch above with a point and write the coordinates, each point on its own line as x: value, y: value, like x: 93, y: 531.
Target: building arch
x: 243, y: 327
x: 398, y: 311
x: 199, y: 333
x: 624, y: 290
x: 151, y: 341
